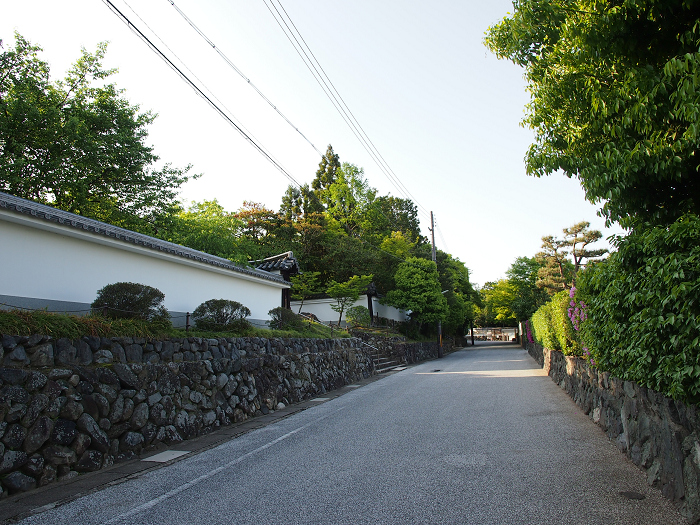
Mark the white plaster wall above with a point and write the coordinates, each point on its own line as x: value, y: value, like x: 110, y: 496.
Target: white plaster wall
x: 53, y: 262
x: 321, y: 308
x: 388, y: 312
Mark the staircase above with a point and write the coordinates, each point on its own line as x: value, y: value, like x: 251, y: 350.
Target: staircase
x: 383, y: 364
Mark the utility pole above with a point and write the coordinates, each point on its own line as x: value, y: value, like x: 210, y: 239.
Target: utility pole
x: 432, y: 235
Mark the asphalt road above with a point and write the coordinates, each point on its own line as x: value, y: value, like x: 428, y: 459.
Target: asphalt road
x: 481, y: 436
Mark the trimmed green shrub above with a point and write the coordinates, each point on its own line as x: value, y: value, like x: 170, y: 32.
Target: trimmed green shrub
x: 221, y: 315
x: 552, y: 328
x: 284, y: 319
x: 358, y: 316
x: 643, y: 310
x: 131, y: 301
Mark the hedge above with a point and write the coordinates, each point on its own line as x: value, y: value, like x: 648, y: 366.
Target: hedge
x: 644, y: 309
x: 552, y: 328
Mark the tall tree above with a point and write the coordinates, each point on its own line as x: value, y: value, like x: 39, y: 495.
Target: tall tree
x: 454, y: 277
x: 326, y: 173
x: 389, y: 214
x: 207, y: 227
x: 497, y: 299
x: 579, y: 237
x: 557, y: 271
x: 78, y: 144
x: 348, y: 199
x: 418, y: 290
x: 614, y: 99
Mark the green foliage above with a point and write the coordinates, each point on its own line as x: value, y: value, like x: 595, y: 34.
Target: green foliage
x: 522, y: 275
x: 498, y: 299
x: 326, y: 173
x: 345, y: 294
x: 305, y: 285
x: 284, y: 319
x: 418, y: 290
x: 552, y: 328
x: 221, y: 315
x: 207, y: 227
x: 130, y: 301
x: 348, y: 200
x: 358, y: 316
x: 78, y: 144
x: 387, y: 215
x: 614, y: 89
x: 644, y: 309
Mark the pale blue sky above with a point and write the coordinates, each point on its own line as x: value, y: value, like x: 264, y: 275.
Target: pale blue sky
x: 440, y: 108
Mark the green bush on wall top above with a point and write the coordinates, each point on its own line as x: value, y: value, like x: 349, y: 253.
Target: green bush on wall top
x: 358, y: 316
x: 221, y: 315
x: 126, y: 300
x: 644, y: 309
x: 552, y: 328
x: 284, y: 319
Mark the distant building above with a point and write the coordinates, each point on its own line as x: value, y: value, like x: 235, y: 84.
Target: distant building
x: 57, y: 260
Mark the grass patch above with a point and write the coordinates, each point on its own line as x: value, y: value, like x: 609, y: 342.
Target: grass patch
x: 18, y: 322
x: 311, y: 331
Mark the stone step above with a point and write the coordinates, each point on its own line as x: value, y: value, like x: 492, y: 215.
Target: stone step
x: 385, y: 366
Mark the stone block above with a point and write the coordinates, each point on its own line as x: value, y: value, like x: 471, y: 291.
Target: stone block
x: 63, y: 433
x: 17, y: 482
x: 90, y: 461
x: 59, y: 455
x: 66, y: 353
x: 134, y: 353
x: 38, y: 435
x: 87, y: 424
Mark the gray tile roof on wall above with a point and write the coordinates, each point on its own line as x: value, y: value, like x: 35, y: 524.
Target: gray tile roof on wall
x: 281, y: 262
x: 50, y: 214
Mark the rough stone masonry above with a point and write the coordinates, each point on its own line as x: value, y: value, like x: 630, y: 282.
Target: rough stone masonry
x: 72, y: 406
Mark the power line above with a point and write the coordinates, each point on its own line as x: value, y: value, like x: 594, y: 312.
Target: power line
x: 199, y: 91
x: 442, y: 238
x: 211, y: 94
x: 233, y: 66
x: 334, y: 96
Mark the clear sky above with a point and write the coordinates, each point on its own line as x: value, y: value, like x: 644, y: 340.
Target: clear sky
x: 440, y: 108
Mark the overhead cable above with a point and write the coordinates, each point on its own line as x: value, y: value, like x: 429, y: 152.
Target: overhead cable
x: 196, y: 88
x: 442, y: 238
x: 334, y: 96
x: 212, y: 95
x: 233, y: 66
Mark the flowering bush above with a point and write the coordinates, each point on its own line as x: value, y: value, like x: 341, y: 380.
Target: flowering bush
x: 576, y: 311
x: 530, y: 339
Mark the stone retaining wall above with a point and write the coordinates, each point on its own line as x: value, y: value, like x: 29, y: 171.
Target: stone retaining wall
x: 659, y: 435
x: 71, y: 406
x: 397, y: 349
